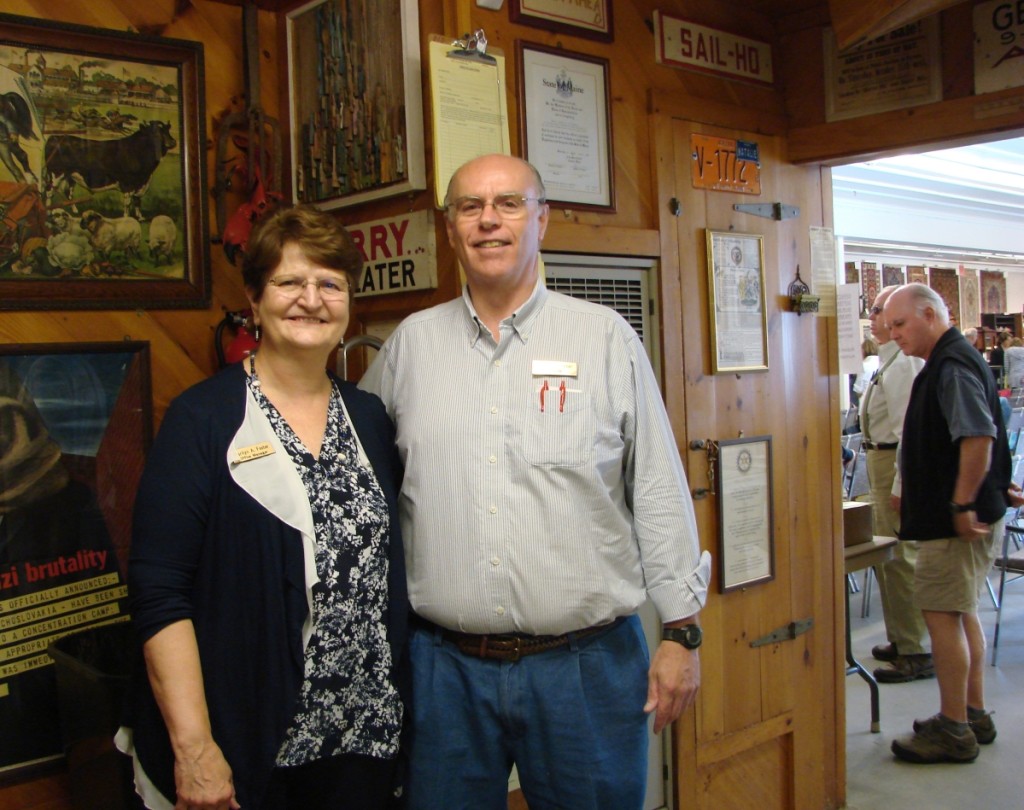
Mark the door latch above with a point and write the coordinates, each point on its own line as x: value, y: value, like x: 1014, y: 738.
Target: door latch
x: 785, y: 633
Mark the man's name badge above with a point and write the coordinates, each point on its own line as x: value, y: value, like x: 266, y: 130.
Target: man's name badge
x: 554, y: 368
x: 253, y: 451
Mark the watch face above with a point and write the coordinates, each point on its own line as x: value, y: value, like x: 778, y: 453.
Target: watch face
x: 690, y: 635
x: 693, y: 636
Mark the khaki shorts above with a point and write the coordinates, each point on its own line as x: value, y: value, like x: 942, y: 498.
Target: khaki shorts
x: 950, y: 573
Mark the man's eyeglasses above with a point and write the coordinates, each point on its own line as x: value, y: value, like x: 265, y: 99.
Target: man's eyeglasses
x: 507, y: 206
x: 330, y: 289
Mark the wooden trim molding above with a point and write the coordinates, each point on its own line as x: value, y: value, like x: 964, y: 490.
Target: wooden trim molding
x: 571, y: 237
x: 973, y: 119
x: 715, y: 113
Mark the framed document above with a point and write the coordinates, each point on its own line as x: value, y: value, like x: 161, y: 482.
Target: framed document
x: 739, y: 327
x: 746, y: 541
x: 566, y: 130
x: 592, y: 19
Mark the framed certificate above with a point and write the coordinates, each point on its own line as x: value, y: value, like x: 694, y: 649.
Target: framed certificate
x: 746, y: 543
x: 566, y: 130
x: 739, y: 327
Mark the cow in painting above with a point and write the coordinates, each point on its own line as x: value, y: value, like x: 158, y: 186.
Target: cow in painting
x: 126, y: 164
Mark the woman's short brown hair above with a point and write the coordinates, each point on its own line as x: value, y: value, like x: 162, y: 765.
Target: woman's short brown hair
x: 321, y: 237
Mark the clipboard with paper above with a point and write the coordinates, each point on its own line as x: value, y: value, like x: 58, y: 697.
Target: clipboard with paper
x: 468, y: 104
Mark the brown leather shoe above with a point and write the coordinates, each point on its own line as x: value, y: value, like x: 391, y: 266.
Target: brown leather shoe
x: 906, y: 668
x: 884, y: 652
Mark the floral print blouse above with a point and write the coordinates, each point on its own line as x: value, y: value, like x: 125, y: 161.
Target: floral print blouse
x: 347, y: 703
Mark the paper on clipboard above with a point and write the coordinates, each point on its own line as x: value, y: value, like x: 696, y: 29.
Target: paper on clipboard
x: 469, y: 110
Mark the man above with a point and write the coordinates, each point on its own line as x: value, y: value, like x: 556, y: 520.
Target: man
x: 883, y: 405
x: 543, y: 501
x: 955, y: 465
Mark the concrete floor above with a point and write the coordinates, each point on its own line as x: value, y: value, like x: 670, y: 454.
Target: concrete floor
x: 877, y: 781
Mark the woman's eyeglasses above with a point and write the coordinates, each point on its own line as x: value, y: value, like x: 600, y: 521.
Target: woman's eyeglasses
x: 330, y: 289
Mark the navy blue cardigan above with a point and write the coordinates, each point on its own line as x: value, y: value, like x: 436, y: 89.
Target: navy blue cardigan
x: 204, y: 549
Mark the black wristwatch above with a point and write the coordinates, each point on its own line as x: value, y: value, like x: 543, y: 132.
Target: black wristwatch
x: 689, y: 635
x: 960, y: 508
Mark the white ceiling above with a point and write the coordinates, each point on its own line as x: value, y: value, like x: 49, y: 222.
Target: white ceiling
x: 966, y: 200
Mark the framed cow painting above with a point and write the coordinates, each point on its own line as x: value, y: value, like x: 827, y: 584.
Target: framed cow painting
x: 102, y: 169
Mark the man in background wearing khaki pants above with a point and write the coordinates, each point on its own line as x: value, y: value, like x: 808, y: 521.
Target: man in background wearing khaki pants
x: 883, y: 406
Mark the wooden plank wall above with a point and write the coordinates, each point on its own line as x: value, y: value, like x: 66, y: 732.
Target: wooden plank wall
x: 182, y: 340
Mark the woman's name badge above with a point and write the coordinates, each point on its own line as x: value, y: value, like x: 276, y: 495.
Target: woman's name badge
x: 253, y: 452
x: 554, y: 368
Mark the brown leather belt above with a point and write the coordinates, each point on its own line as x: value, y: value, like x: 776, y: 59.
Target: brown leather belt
x: 509, y: 646
x: 879, y: 445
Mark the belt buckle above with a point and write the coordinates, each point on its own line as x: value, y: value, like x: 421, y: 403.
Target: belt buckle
x: 517, y: 653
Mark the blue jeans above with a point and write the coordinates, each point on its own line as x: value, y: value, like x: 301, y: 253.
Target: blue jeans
x: 570, y: 719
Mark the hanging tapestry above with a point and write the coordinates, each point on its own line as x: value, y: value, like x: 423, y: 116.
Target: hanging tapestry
x: 993, y: 291
x: 892, y: 275
x: 969, y: 298
x: 946, y: 283
x: 869, y: 283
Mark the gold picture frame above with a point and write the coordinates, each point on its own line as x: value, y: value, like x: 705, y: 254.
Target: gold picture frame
x: 739, y: 324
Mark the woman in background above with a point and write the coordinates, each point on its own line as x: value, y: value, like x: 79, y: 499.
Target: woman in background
x: 266, y: 576
x: 1013, y: 363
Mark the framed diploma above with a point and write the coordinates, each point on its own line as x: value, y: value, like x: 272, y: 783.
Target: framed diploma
x: 739, y: 327
x: 566, y: 131
x: 746, y: 541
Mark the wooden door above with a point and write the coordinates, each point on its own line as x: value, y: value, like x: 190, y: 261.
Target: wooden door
x: 764, y: 730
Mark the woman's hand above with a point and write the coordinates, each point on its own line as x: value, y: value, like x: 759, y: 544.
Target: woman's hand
x: 203, y: 780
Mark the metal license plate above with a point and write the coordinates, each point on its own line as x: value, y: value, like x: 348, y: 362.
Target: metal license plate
x: 723, y: 164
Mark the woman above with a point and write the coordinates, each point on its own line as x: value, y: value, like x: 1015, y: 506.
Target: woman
x: 1013, y: 363
x: 266, y: 576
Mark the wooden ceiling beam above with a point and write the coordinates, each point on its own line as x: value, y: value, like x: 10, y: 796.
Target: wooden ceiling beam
x: 855, y: 21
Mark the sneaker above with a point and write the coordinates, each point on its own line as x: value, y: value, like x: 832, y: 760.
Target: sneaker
x: 884, y: 652
x: 984, y: 728
x: 933, y: 742
x: 906, y: 668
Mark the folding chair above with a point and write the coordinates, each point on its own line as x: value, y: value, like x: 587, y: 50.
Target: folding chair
x: 1010, y: 562
x: 851, y: 442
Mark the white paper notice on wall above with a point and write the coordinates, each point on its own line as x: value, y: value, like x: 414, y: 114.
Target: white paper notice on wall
x: 848, y: 325
x: 823, y: 269
x: 998, y: 46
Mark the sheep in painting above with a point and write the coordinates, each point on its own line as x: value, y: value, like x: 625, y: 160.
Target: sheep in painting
x: 107, y: 236
x: 162, y: 235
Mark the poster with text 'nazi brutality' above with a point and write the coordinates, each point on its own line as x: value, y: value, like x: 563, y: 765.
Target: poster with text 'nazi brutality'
x: 74, y: 427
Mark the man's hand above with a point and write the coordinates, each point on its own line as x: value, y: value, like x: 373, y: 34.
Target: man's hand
x: 672, y: 683
x: 1015, y: 496
x: 968, y: 527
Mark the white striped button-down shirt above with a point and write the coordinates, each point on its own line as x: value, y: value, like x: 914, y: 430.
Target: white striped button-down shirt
x: 542, y: 520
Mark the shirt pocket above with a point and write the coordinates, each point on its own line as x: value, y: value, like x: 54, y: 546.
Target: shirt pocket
x: 562, y: 434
